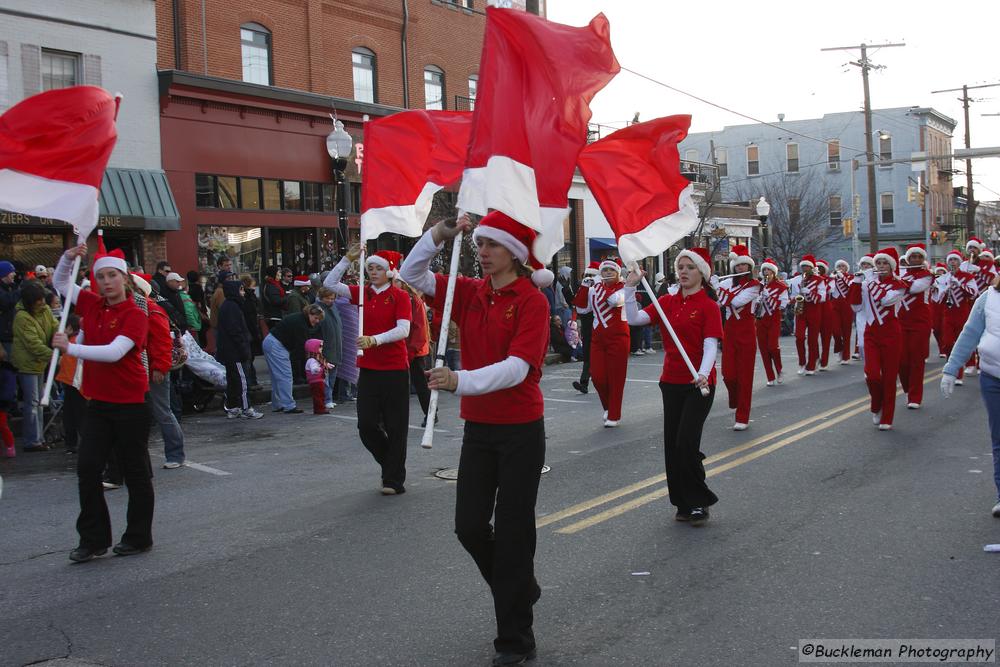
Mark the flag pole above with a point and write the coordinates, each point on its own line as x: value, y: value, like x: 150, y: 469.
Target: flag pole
x: 63, y: 317
x: 670, y: 330
x: 361, y: 297
x: 427, y: 441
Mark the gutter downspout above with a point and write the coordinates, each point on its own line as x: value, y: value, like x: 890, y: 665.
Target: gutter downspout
x: 177, y: 34
x: 406, y: 59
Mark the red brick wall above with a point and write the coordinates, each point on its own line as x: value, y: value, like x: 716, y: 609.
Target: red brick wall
x: 312, y: 42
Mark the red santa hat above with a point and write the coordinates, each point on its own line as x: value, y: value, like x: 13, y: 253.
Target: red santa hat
x: 973, y: 242
x: 866, y: 259
x: 842, y: 263
x: 807, y: 260
x: 612, y: 263
x: 388, y: 260
x: 890, y: 255
x: 516, y: 238
x: 824, y: 264
x: 741, y: 255
x: 915, y: 249
x: 141, y: 282
x: 104, y: 259
x: 700, y: 257
x: 302, y: 281
x: 986, y: 254
x: 955, y: 253
x: 593, y: 269
x: 769, y: 263
x: 940, y: 267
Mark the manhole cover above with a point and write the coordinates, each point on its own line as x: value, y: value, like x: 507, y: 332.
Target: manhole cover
x: 452, y: 473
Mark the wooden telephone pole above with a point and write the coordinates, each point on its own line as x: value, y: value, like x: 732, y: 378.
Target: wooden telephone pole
x: 866, y: 65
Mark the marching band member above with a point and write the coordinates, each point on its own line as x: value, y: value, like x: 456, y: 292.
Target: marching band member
x: 809, y: 291
x: 842, y: 312
x: 987, y: 271
x: 866, y: 263
x: 697, y: 321
x: 973, y: 247
x: 878, y: 293
x: 609, y: 347
x: 828, y: 329
x: 915, y: 323
x: 384, y: 383
x: 769, y: 309
x: 504, y: 320
x: 956, y: 290
x: 585, y: 318
x: 937, y: 310
x: 739, y: 345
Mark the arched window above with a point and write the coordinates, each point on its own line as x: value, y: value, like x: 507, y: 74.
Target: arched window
x: 255, y: 41
x: 433, y: 88
x: 364, y: 74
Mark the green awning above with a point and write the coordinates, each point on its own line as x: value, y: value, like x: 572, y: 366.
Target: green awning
x: 138, y: 199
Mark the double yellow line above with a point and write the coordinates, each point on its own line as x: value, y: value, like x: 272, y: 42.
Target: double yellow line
x: 826, y: 418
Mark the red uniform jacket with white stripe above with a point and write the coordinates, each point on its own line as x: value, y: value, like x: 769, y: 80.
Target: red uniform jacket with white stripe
x: 772, y: 300
x: 607, y: 303
x: 879, y: 299
x: 955, y: 290
x: 736, y: 299
x: 914, y: 313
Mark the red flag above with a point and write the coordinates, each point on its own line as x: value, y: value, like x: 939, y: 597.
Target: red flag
x: 54, y: 148
x: 536, y: 80
x: 635, y: 177
x: 408, y: 157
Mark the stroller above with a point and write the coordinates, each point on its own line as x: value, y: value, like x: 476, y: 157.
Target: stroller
x: 202, y: 378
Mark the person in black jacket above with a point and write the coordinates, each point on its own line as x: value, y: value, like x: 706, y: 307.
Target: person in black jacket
x: 232, y: 349
x: 10, y: 294
x: 197, y: 293
x: 251, y: 313
x: 274, y: 303
x: 173, y: 295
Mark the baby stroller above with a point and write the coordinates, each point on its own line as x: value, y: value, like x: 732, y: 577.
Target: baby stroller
x: 201, y: 378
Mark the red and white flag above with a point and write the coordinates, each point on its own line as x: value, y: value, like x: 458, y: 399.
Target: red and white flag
x: 635, y: 176
x: 54, y: 148
x: 408, y: 157
x: 536, y: 81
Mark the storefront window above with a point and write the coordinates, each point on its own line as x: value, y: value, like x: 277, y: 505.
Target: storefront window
x: 241, y: 244
x: 250, y: 193
x: 272, y: 195
x: 328, y: 197
x: 204, y: 191
x: 312, y: 196
x: 227, y: 192
x: 293, y: 195
x: 355, y: 204
x: 26, y: 250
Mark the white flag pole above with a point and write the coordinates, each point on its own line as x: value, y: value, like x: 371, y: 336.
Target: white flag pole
x: 427, y: 441
x: 361, y: 297
x: 673, y: 336
x: 63, y: 317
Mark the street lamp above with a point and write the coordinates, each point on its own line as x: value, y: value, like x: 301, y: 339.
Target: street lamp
x: 763, y: 210
x: 339, y: 145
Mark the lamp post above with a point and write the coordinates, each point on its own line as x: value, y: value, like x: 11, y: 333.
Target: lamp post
x: 763, y: 210
x: 339, y: 145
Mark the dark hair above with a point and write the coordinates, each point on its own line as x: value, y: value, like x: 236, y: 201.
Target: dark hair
x: 709, y: 290
x: 73, y: 321
x: 221, y: 259
x: 193, y: 277
x: 313, y: 309
x: 31, y: 293
x: 161, y: 265
x: 271, y: 271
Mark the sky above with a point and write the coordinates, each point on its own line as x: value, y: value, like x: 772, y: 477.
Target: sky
x: 763, y: 58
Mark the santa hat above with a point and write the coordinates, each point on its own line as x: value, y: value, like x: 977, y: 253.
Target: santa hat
x: 593, y: 269
x: 823, y: 263
x: 104, y: 259
x: 740, y: 255
x: 387, y: 259
x: 516, y: 238
x: 973, y: 242
x: 314, y: 345
x: 915, y: 249
x: 890, y: 255
x: 141, y: 282
x: 841, y: 262
x: 955, y: 253
x: 986, y: 254
x: 700, y: 257
x: 611, y: 263
x: 769, y: 263
x: 866, y: 259
x: 807, y: 260
x: 302, y: 281
x: 940, y: 267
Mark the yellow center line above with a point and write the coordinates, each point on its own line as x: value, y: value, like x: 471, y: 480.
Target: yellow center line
x: 663, y: 492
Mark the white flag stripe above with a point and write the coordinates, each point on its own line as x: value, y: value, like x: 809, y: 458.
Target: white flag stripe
x: 405, y: 220
x: 74, y: 203
x: 660, y: 234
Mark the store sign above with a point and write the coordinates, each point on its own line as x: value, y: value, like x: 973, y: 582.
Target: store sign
x: 12, y: 219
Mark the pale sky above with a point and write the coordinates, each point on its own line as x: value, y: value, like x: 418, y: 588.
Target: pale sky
x: 763, y: 58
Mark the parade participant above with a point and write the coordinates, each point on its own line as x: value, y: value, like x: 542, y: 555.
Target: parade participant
x: 118, y: 418
x: 937, y: 310
x: 504, y: 322
x: 981, y: 332
x: 828, y: 330
x: 611, y: 341
x: 809, y: 292
x: 956, y: 290
x: 866, y: 263
x: 290, y: 333
x: 384, y: 381
x: 973, y: 247
x: 586, y: 320
x: 878, y: 293
x: 739, y: 345
x: 843, y: 314
x: 696, y: 319
x: 915, y: 323
x: 769, y: 310
x: 418, y: 347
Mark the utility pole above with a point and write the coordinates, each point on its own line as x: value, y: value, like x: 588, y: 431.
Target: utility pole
x: 866, y: 65
x: 970, y: 200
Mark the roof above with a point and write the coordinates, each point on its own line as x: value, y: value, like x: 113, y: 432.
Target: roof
x: 139, y: 193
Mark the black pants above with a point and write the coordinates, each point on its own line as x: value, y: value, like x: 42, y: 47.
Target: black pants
x: 498, y: 475
x: 121, y: 428
x: 74, y: 411
x: 586, y: 331
x: 684, y: 414
x: 384, y: 420
x: 417, y: 368
x: 251, y: 369
x: 236, y: 386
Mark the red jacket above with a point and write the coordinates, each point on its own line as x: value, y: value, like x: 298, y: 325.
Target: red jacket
x: 418, y: 343
x: 159, y: 344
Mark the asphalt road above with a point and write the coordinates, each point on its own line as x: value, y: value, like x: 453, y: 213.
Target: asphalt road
x: 277, y: 549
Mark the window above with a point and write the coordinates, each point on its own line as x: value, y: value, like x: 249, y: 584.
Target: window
x: 793, y: 211
x: 271, y: 194
x: 753, y: 160
x: 364, y: 75
x: 227, y: 194
x: 255, y: 41
x: 250, y: 193
x: 691, y: 155
x: 836, y: 209
x: 328, y: 197
x: 59, y: 69
x: 884, y: 147
x: 204, y: 191
x: 833, y: 154
x: 792, y: 155
x: 722, y: 161
x: 887, y: 212
x: 354, y: 205
x: 312, y: 196
x: 292, y: 200
x: 473, y: 85
x: 433, y: 88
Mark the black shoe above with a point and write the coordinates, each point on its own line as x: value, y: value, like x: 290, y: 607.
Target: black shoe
x: 698, y: 516
x: 582, y: 388
x: 278, y: 410
x: 294, y: 411
x: 509, y: 658
x: 682, y: 515
x: 83, y: 554
x: 392, y: 490
x: 123, y: 549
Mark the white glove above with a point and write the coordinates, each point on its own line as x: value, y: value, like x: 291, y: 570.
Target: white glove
x: 714, y: 281
x: 947, y: 385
